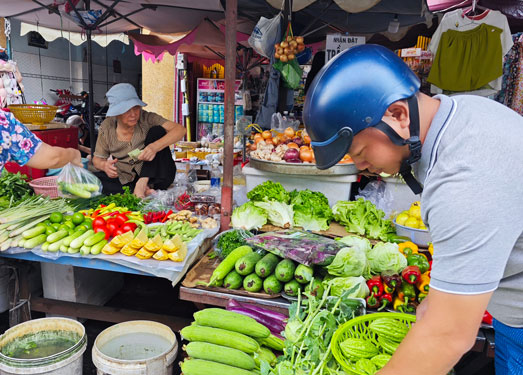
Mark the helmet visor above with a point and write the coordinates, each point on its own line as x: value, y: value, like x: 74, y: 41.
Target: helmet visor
x: 328, y: 153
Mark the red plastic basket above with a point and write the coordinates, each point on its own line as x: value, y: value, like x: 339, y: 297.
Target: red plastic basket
x: 45, y: 186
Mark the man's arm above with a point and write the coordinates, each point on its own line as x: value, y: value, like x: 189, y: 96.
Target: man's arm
x: 175, y: 132
x: 48, y: 157
x: 446, y: 328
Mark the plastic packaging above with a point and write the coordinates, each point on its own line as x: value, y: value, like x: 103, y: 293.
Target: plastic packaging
x: 265, y: 35
x: 77, y: 182
x: 376, y: 192
x: 302, y: 247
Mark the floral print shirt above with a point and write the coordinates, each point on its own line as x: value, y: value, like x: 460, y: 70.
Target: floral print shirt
x: 17, y: 143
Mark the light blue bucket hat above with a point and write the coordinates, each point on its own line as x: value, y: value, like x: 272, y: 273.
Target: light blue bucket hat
x: 122, y: 97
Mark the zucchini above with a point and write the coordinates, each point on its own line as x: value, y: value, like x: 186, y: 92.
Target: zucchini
x: 94, y: 239
x: 33, y: 232
x: 63, y: 248
x: 203, y: 367
x: 57, y: 236
x: 231, y: 321
x: 97, y: 248
x: 220, y: 337
x: 35, y: 241
x: 76, y: 234
x: 85, y: 250
x: 221, y: 354
x: 45, y: 246
x: 79, y: 241
x: 228, y: 263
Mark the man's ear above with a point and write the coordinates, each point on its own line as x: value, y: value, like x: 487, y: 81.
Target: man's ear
x: 398, y: 112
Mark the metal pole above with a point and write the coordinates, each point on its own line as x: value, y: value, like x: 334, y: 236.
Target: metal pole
x: 230, y: 83
x: 282, y: 90
x: 91, y: 88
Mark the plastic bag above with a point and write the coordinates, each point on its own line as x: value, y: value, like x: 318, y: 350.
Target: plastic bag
x: 291, y: 72
x: 302, y: 247
x: 376, y: 192
x: 77, y: 182
x: 279, y: 123
x: 232, y: 239
x: 265, y: 35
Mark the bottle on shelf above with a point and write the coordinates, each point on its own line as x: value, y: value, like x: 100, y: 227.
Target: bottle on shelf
x: 216, y: 175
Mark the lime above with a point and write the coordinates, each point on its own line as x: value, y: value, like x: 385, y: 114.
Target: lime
x: 56, y: 226
x: 78, y: 218
x: 49, y: 230
x: 56, y: 217
x: 88, y: 222
x: 69, y: 224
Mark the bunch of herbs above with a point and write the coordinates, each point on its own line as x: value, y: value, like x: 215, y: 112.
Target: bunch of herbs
x: 13, y: 189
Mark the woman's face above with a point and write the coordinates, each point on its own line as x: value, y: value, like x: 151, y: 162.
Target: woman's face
x: 131, y: 117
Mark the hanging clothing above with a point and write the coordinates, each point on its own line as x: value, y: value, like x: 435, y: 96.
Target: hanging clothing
x: 458, y: 23
x: 510, y: 73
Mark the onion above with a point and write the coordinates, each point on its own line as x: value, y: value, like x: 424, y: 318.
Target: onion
x: 279, y: 51
x: 301, y: 47
x: 284, y: 58
x: 276, y: 56
x: 290, y: 57
x: 293, y: 43
x: 294, y: 161
x: 289, y: 132
x: 286, y: 51
x: 284, y: 44
x: 298, y: 141
x: 299, y: 39
x: 289, y: 38
x: 291, y: 154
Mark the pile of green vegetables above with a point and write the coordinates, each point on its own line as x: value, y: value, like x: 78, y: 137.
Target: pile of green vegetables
x: 125, y: 199
x: 13, y: 189
x: 230, y: 240
x: 270, y: 202
x: 363, y: 218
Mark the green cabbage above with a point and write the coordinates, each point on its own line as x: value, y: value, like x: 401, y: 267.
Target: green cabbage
x: 341, y: 284
x: 358, y: 242
x: 279, y: 214
x: 349, y: 261
x: 248, y: 216
x: 386, y: 256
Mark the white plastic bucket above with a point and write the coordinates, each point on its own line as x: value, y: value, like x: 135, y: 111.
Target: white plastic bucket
x: 137, y: 347
x: 67, y: 362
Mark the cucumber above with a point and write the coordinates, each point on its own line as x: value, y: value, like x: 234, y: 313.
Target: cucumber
x: 220, y: 318
x: 56, y: 236
x: 69, y: 239
x: 221, y: 354
x: 227, y: 265
x: 74, y: 189
x: 55, y: 246
x: 315, y: 288
x: 63, y: 248
x: 94, y: 239
x: 233, y: 280
x: 220, y: 337
x: 35, y: 241
x: 85, y: 250
x: 245, y: 265
x: 303, y: 274
x: 272, y: 285
x: 284, y: 271
x: 264, y: 354
x: 72, y: 250
x: 97, y: 248
x: 292, y: 288
x: 33, y: 232
x: 45, y: 246
x: 79, y: 241
x: 266, y: 265
x: 252, y: 283
x: 21, y: 243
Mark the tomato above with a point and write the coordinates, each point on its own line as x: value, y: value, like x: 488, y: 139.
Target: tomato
x: 118, y: 232
x: 111, y: 228
x: 120, y: 220
x: 99, y: 221
x: 103, y: 229
x: 128, y: 227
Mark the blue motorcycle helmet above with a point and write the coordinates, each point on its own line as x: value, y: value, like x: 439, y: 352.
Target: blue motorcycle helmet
x: 351, y: 93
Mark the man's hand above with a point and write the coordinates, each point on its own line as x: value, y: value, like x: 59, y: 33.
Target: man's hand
x: 110, y: 168
x: 77, y: 158
x: 148, y: 153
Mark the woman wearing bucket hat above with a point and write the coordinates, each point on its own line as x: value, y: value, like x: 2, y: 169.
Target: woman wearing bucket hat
x: 366, y: 101
x: 127, y: 128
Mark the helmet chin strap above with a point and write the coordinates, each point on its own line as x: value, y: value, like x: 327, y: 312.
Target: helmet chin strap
x: 413, y: 142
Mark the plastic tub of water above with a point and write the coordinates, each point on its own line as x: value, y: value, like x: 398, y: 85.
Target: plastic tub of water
x: 51, y: 346
x: 135, y: 348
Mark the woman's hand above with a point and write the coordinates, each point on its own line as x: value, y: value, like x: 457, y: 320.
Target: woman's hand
x: 148, y: 153
x: 110, y: 168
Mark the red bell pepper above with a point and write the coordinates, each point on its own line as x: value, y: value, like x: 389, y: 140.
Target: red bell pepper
x: 411, y: 274
x: 487, y: 318
x: 375, y: 285
x: 391, y: 281
x: 372, y: 301
x: 385, y: 300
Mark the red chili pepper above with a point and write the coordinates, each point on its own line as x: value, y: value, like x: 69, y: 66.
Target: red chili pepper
x: 375, y: 285
x: 411, y: 274
x: 109, y: 214
x: 372, y: 301
x: 385, y: 300
x: 95, y: 213
x: 103, y: 205
x: 165, y: 218
x: 487, y: 318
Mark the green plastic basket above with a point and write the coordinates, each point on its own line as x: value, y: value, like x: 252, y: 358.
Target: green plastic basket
x: 359, y: 328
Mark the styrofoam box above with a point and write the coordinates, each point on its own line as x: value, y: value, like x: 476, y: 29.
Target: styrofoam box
x: 335, y: 188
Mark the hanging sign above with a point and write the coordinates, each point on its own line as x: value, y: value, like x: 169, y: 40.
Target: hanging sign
x: 338, y: 42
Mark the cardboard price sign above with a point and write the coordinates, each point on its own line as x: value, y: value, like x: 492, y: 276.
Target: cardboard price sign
x: 337, y: 42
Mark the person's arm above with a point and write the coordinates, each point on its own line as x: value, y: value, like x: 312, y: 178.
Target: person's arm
x: 175, y: 132
x: 446, y: 328
x: 48, y: 157
x: 107, y: 166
